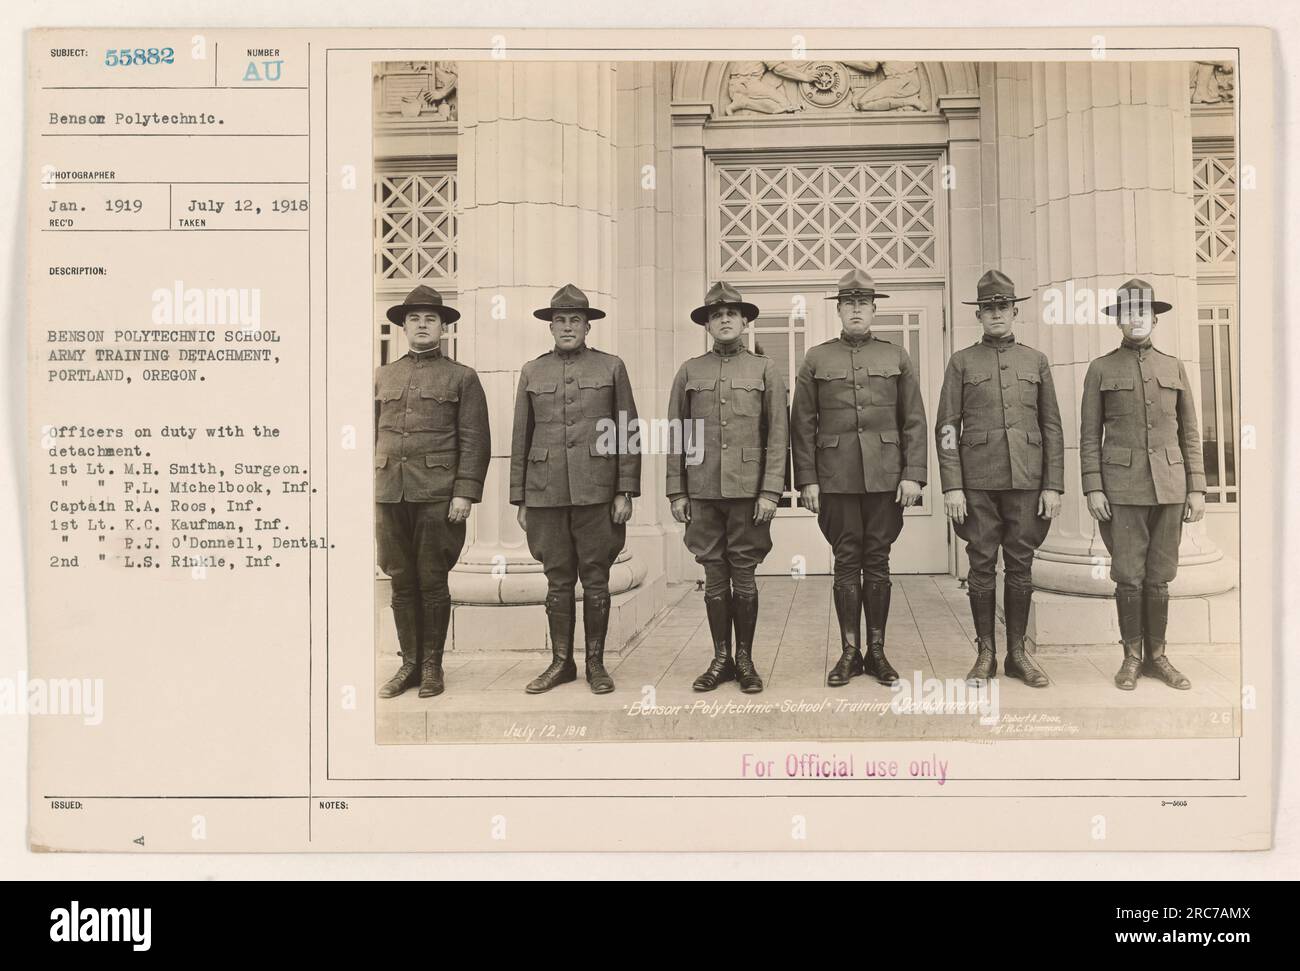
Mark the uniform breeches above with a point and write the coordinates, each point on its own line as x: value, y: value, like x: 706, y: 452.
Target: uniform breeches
x: 1006, y: 518
x: 727, y: 543
x: 1143, y: 546
x: 575, y: 543
x: 861, y: 527
x: 417, y: 547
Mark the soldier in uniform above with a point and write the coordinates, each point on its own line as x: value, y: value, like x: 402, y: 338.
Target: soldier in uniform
x: 857, y: 430
x: 431, y: 455
x: 1002, y: 467
x: 1140, y: 455
x: 574, y: 489
x: 732, y: 404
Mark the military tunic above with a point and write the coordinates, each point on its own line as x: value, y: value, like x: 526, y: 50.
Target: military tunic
x: 857, y: 428
x: 432, y: 444
x: 998, y: 435
x: 1139, y: 444
x: 569, y: 458
x: 858, y: 422
x: 730, y: 405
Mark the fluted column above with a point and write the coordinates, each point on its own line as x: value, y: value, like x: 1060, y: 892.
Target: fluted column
x: 1094, y: 187
x: 535, y: 158
x: 644, y: 273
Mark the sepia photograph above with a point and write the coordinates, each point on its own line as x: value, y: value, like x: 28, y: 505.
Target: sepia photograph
x: 805, y: 399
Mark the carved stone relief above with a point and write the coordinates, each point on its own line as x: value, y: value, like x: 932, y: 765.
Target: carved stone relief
x: 416, y: 89
x: 1212, y: 82
x: 783, y: 87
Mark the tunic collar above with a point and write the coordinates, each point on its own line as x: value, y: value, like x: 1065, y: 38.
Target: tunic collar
x: 577, y: 352
x: 1142, y: 345
x: 998, y: 342
x: 728, y: 350
x: 427, y: 355
x: 855, y: 341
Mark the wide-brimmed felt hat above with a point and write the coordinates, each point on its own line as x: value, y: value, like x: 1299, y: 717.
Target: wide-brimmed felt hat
x: 568, y: 297
x: 422, y: 298
x: 994, y: 287
x: 857, y: 283
x: 723, y: 295
x: 1139, y: 292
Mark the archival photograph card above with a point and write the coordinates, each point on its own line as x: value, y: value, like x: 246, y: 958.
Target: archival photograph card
x: 440, y: 439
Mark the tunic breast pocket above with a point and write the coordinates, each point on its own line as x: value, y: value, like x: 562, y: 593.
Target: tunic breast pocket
x: 545, y: 406
x: 438, y: 406
x: 1117, y: 396
x: 597, y: 396
x: 389, y: 397
x: 1169, y: 388
x: 701, y: 395
x: 747, y: 396
x: 1029, y: 382
x: 975, y: 389
x: 883, y: 381
x: 833, y: 388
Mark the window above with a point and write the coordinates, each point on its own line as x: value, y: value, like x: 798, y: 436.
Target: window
x: 415, y: 241
x: 415, y: 227
x: 1219, y: 421
x: 1214, y: 192
x: 1214, y: 200
x: 825, y: 218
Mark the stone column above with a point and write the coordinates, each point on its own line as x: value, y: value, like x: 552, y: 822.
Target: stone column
x: 535, y: 158
x: 1094, y: 187
x: 689, y: 270
x: 644, y: 206
x: 966, y: 196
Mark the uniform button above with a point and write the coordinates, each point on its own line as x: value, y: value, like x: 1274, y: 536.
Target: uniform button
x: 1150, y: 402
x: 723, y: 400
x: 402, y: 459
x: 569, y: 379
x: 414, y: 386
x: 861, y: 429
x: 1148, y: 424
x: 1152, y: 451
x: 405, y: 434
x: 569, y: 400
x: 724, y: 424
x: 1146, y: 379
x: 570, y: 421
x: 724, y: 444
x: 859, y: 407
x: 1005, y: 366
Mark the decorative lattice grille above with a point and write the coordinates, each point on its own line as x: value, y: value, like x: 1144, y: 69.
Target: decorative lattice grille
x: 1214, y: 189
x: 415, y: 231
x: 826, y: 217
